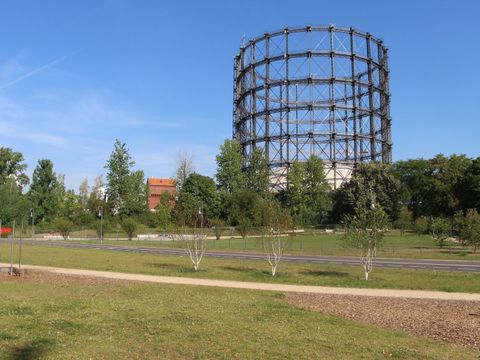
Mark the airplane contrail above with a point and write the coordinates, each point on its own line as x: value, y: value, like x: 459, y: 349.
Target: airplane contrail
x: 34, y: 71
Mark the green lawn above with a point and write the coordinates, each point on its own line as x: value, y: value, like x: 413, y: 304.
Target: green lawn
x: 78, y: 321
x: 243, y: 270
x: 395, y: 245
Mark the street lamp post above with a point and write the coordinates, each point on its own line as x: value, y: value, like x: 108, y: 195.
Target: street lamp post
x: 100, y: 214
x: 32, y: 218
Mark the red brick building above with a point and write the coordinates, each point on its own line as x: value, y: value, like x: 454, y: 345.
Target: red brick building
x: 156, y: 187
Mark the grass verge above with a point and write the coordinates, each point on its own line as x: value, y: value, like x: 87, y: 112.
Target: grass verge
x: 243, y: 270
x: 68, y: 320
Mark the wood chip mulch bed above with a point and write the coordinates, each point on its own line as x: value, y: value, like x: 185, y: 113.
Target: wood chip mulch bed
x: 456, y: 322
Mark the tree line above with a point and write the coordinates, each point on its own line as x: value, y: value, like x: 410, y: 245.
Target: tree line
x: 440, y: 196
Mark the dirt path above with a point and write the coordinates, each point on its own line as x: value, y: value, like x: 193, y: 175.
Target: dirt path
x: 392, y: 293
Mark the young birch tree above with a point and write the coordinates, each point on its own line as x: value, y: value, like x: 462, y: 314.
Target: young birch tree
x: 274, y: 242
x: 192, y: 240
x: 365, y: 231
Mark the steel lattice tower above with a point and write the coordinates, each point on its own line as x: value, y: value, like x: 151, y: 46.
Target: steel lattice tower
x: 313, y: 91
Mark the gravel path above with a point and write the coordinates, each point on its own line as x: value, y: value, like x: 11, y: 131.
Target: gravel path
x: 456, y: 322
x: 390, y: 293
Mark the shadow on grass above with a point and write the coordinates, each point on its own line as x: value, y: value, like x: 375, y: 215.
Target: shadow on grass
x: 325, y: 273
x: 35, y: 349
x: 238, y: 269
x: 164, y: 266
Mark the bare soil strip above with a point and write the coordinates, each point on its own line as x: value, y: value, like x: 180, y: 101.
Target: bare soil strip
x: 456, y: 322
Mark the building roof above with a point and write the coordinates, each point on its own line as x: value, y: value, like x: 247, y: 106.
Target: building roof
x: 160, y: 182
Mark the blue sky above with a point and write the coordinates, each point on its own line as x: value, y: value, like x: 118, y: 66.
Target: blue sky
x: 75, y: 75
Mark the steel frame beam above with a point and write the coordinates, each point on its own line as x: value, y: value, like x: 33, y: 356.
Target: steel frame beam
x: 315, y: 90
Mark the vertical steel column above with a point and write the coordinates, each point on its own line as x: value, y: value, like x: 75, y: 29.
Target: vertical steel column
x: 253, y: 98
x: 387, y: 126
x: 371, y: 99
x: 333, y: 130
x: 267, y: 97
x: 354, y: 96
x: 235, y: 77
x: 287, y: 96
x: 297, y: 142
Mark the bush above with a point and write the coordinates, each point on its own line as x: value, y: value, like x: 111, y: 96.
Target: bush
x: 243, y: 226
x: 64, y: 227
x: 421, y: 225
x: 130, y: 227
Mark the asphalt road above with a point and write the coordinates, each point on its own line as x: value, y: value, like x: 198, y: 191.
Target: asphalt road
x: 412, y: 264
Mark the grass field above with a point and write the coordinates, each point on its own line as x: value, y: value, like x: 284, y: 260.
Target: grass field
x: 78, y: 320
x: 243, y: 270
x: 395, y: 245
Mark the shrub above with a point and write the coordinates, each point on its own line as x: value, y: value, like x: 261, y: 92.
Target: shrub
x: 64, y: 227
x: 130, y: 227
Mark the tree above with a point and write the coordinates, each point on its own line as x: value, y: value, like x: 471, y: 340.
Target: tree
x: 230, y: 176
x: 421, y: 225
x: 243, y: 226
x: 193, y: 241
x: 435, y: 187
x: 96, y: 200
x: 404, y: 221
x: 308, y: 194
x: 163, y: 212
x: 45, y: 191
x: 12, y: 166
x: 273, y: 240
x: 185, y: 167
x: 440, y: 230
x: 71, y: 207
x: 365, y: 231
x: 135, y: 195
x: 247, y: 208
x: 118, y: 171
x: 13, y: 204
x: 204, y: 192
x: 367, y: 179
x: 469, y: 228
x: 257, y: 174
x: 64, y: 227
x: 186, y: 209
x: 130, y: 226
x: 470, y: 187
x: 83, y: 193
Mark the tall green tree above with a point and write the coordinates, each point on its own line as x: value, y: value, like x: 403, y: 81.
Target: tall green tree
x: 257, y: 173
x: 135, y: 196
x: 435, y: 187
x: 12, y: 166
x: 308, y: 193
x: 230, y: 175
x: 45, y: 191
x: 202, y: 193
x: 372, y: 179
x: 14, y: 205
x: 469, y: 194
x: 71, y: 208
x: 118, y: 171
